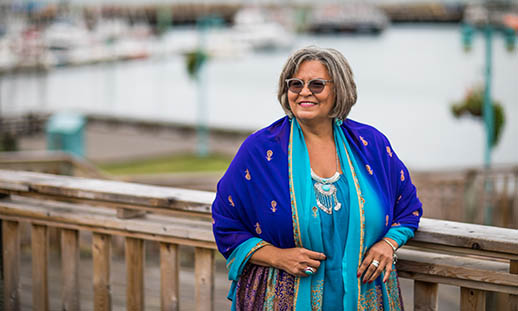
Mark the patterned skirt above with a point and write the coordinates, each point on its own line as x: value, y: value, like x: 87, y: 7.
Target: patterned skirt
x: 264, y: 288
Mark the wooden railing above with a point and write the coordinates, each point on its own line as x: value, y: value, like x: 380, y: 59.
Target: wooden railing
x: 473, y: 195
x: 52, y: 162
x: 474, y: 257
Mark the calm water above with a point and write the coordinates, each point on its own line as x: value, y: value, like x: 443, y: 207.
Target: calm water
x: 406, y: 78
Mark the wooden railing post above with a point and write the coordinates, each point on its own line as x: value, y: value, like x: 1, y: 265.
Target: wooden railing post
x: 204, y: 279
x: 70, y: 269
x: 134, y: 253
x: 169, y: 271
x: 425, y: 296
x: 40, y: 253
x: 513, y: 269
x: 101, y: 257
x: 472, y: 299
x: 11, y: 264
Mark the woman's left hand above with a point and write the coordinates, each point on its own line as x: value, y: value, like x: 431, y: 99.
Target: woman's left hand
x: 381, y: 252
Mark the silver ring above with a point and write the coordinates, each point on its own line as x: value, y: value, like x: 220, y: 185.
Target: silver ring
x: 375, y: 263
x: 309, y: 270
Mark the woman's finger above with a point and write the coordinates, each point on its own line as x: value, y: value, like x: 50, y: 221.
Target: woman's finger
x: 378, y: 271
x: 313, y: 263
x: 388, y: 270
x: 365, y: 264
x: 370, y: 270
x: 315, y: 255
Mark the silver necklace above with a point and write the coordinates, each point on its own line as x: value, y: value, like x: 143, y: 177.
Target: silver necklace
x: 325, y: 191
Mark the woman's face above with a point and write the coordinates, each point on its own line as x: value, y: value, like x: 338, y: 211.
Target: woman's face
x: 307, y: 106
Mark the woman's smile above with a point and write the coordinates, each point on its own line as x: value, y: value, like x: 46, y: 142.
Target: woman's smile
x: 307, y: 106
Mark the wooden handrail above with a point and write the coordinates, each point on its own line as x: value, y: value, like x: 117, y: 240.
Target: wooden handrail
x: 55, y: 162
x: 474, y: 257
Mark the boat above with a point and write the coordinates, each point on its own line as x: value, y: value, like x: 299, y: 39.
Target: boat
x: 255, y: 27
x: 360, y: 18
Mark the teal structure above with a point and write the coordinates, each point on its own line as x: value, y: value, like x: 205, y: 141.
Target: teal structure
x: 65, y: 132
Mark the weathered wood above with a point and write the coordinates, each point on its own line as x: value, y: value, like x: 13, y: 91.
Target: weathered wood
x: 425, y: 296
x: 515, y: 198
x: 479, y: 271
x: 513, y: 299
x: 472, y: 299
x: 70, y: 269
x: 169, y: 272
x: 204, y: 279
x: 134, y: 253
x: 105, y: 204
x: 106, y: 191
x: 122, y: 233
x: 101, y: 257
x: 154, y: 227
x: 446, y: 249
x: 11, y: 264
x: 46, y: 161
x: 504, y: 207
x: 463, y: 235
x: 126, y: 213
x: 40, y: 253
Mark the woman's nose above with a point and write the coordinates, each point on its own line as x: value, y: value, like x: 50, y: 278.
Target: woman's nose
x: 305, y: 90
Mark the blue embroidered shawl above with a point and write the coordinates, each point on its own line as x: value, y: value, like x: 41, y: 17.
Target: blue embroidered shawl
x: 254, y: 205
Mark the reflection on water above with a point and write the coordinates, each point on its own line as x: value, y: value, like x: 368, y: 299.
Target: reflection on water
x: 406, y: 78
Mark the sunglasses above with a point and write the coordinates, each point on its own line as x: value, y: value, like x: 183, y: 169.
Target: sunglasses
x: 315, y: 85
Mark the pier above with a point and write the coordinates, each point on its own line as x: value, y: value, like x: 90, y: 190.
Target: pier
x: 476, y: 258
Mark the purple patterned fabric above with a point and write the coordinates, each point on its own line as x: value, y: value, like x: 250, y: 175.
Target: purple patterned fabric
x: 251, y: 290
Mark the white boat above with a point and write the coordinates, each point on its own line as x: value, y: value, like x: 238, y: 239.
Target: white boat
x: 348, y: 17
x: 255, y: 27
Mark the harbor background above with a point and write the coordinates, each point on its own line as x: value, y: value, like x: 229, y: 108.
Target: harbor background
x: 141, y: 103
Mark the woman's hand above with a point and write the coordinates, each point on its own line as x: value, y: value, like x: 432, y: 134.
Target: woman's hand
x: 292, y: 260
x: 381, y: 252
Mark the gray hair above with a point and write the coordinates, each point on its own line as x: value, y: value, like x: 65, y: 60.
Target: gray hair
x: 338, y: 69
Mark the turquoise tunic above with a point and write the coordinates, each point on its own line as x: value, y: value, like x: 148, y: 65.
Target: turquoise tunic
x: 334, y: 231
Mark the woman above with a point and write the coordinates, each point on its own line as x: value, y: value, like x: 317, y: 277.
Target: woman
x: 313, y: 207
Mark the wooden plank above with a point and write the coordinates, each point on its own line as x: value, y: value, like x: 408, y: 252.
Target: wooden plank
x: 169, y: 272
x: 134, y: 252
x: 101, y: 257
x: 477, y: 237
x: 457, y: 267
x: 106, y: 191
x: 181, y: 228
x: 472, y: 299
x: 90, y: 190
x: 204, y: 279
x: 513, y: 269
x: 144, y: 236
x: 456, y: 282
x: 11, y: 264
x: 105, y: 204
x: 40, y: 253
x: 425, y: 296
x: 515, y: 197
x: 446, y: 249
x: 70, y: 269
x: 49, y: 161
x: 126, y: 213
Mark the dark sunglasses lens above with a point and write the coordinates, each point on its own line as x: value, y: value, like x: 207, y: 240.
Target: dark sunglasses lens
x: 295, y: 86
x: 316, y: 86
